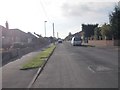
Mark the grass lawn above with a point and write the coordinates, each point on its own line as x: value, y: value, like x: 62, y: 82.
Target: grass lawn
x: 39, y: 60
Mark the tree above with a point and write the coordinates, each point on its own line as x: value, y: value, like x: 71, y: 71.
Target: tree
x: 114, y: 18
x: 69, y: 34
x: 106, y: 31
x: 88, y: 29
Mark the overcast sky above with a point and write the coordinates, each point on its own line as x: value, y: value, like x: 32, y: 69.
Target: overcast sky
x: 67, y: 15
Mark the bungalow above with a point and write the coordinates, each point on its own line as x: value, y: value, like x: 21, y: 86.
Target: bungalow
x: 11, y: 36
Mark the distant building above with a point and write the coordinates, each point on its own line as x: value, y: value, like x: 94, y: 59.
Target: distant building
x: 69, y: 37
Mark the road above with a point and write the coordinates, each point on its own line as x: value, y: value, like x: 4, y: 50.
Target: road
x: 80, y: 67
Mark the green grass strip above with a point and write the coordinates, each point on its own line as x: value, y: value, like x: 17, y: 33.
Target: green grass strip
x: 39, y: 60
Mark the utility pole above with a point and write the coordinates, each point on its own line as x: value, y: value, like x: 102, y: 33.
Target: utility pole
x: 45, y: 27
x: 53, y: 31
x: 57, y: 35
x: 53, y: 35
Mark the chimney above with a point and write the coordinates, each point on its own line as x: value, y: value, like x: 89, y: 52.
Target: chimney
x: 6, y: 24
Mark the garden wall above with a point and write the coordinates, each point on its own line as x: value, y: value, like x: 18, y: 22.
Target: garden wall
x: 104, y: 42
x: 13, y: 54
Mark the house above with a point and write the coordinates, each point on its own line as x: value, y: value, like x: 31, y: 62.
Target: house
x: 69, y: 37
x: 11, y: 36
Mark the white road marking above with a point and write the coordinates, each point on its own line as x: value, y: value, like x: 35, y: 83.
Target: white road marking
x: 89, y: 67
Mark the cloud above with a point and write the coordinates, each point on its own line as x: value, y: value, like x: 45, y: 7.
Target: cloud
x: 77, y: 13
x: 86, y: 8
x: 74, y: 10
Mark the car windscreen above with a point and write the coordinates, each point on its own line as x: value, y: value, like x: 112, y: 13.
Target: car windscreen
x: 77, y: 39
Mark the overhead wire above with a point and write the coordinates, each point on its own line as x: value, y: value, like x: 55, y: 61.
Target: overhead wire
x: 44, y: 10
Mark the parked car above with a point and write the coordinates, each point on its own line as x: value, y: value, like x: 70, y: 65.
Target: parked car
x: 76, y: 41
x: 59, y: 41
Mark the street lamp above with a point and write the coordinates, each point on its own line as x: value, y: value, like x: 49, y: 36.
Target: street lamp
x: 45, y: 27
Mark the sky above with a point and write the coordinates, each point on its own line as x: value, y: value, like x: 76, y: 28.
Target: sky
x: 67, y: 15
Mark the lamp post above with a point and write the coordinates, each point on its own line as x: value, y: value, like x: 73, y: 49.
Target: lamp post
x: 45, y: 27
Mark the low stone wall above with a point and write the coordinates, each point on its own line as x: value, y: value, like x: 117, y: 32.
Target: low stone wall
x: 7, y: 56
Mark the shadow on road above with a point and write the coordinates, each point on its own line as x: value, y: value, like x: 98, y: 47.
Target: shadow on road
x: 85, y: 46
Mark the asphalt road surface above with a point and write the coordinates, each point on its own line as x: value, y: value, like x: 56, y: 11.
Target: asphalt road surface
x: 80, y: 67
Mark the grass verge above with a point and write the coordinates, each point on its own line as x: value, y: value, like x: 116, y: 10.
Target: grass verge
x: 39, y: 60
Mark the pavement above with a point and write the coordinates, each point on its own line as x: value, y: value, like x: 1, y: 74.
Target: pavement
x: 13, y: 77
x: 80, y: 67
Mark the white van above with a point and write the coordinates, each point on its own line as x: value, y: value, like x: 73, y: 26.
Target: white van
x: 76, y: 41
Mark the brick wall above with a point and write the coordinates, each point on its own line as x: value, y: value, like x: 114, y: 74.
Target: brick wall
x: 101, y: 42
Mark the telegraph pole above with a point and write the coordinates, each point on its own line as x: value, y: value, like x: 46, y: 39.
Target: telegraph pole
x: 53, y: 30
x: 57, y: 35
x: 53, y: 35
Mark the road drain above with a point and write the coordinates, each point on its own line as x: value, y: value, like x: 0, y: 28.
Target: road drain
x: 99, y: 68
